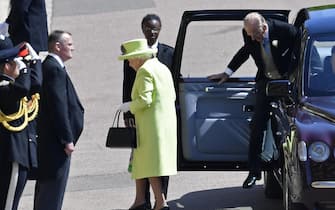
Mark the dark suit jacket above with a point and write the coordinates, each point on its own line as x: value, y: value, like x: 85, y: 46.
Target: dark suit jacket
x: 164, y: 55
x: 28, y: 22
x: 284, y: 53
x: 60, y: 119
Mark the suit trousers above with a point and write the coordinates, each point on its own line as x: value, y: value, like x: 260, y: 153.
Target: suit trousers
x: 258, y: 126
x: 13, y: 179
x: 49, y: 192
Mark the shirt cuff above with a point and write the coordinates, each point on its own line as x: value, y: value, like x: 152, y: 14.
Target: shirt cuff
x: 228, y: 71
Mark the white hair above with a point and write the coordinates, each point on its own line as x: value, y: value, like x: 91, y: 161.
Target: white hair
x: 254, y: 18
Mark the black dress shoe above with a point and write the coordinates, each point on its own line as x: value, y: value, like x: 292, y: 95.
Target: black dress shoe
x: 251, y: 180
x: 140, y: 207
x: 148, y: 205
x: 165, y: 208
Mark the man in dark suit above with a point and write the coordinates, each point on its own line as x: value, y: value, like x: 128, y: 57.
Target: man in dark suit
x: 271, y: 44
x: 27, y: 21
x: 59, y: 125
x: 151, y: 26
x: 17, y: 147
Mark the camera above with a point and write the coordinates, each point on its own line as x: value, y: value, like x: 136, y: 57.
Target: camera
x: 24, y: 54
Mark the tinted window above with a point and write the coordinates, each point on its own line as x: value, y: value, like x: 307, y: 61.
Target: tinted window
x: 320, y: 71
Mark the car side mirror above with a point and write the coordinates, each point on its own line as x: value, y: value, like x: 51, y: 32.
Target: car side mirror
x: 278, y: 88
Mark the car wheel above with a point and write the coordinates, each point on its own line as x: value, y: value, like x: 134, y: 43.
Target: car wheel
x: 272, y: 188
x: 287, y: 202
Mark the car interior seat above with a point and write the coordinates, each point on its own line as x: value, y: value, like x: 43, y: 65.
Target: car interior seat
x: 327, y: 75
x: 327, y: 66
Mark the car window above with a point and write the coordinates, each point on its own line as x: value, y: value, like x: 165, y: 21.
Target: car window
x: 321, y: 67
x: 210, y: 45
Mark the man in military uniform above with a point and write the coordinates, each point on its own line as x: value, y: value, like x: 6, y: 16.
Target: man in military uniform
x: 17, y: 148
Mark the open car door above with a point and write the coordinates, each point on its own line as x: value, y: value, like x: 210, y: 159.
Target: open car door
x: 213, y: 119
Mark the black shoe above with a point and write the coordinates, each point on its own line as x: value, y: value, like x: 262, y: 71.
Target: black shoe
x: 250, y: 181
x: 165, y: 208
x: 148, y: 205
x: 140, y: 207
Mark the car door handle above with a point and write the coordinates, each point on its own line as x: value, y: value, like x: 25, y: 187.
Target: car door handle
x: 239, y: 96
x: 236, y: 93
x: 211, y: 89
x: 233, y: 89
x: 241, y: 89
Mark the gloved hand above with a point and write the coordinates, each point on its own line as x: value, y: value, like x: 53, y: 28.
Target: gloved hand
x: 20, y: 64
x: 32, y: 52
x: 4, y: 29
x: 125, y: 107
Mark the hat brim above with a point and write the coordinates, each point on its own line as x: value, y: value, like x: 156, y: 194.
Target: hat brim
x: 137, y: 54
x: 9, y: 54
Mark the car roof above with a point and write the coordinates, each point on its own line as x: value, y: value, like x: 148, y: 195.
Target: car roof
x: 319, y: 19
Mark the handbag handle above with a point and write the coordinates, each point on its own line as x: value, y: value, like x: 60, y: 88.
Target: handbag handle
x: 117, y: 116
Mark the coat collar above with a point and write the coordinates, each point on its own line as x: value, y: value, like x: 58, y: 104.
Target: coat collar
x: 58, y: 59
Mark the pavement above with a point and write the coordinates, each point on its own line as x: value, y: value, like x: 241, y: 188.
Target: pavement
x: 98, y: 178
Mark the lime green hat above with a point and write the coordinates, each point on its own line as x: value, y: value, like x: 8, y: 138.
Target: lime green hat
x: 135, y: 48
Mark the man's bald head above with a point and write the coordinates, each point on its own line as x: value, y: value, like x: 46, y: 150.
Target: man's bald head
x: 255, y: 26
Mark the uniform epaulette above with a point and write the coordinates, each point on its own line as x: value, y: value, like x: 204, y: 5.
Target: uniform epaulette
x: 4, y: 83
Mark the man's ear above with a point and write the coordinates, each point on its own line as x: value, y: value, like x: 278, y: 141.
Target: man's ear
x: 6, y: 68
x: 57, y: 46
x: 264, y: 27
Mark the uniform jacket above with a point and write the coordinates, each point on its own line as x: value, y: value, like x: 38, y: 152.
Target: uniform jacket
x: 153, y: 99
x: 283, y: 40
x: 19, y: 146
x: 28, y: 22
x: 164, y: 55
x: 60, y: 119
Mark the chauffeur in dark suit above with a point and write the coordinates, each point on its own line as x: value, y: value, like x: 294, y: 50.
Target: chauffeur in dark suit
x: 272, y: 45
x: 27, y: 21
x: 151, y: 26
x: 17, y: 147
x: 59, y: 125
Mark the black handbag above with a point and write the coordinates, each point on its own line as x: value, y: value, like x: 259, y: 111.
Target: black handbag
x: 121, y: 137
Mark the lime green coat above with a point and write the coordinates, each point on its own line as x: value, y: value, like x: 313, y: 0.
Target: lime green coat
x: 153, y: 104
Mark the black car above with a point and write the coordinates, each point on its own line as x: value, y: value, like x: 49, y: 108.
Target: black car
x: 213, y: 119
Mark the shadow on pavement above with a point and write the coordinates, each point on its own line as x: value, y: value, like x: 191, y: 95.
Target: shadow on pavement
x: 226, y: 199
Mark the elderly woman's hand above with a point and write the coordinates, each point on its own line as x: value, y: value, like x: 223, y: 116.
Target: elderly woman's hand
x: 125, y: 107
x: 4, y: 28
